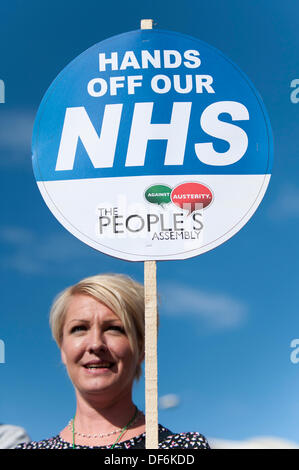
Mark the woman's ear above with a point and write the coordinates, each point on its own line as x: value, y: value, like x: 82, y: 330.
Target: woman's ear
x: 63, y: 358
x: 141, y: 356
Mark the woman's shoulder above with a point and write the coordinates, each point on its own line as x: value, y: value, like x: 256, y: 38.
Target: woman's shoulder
x: 183, y: 440
x: 52, y: 443
x: 167, y: 440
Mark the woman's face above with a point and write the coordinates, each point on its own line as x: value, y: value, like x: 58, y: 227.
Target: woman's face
x: 96, y: 349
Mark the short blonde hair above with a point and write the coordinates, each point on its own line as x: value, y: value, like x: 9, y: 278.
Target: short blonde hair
x: 120, y: 293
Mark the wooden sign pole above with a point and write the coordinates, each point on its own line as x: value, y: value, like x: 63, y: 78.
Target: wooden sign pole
x: 151, y: 363
x: 151, y: 332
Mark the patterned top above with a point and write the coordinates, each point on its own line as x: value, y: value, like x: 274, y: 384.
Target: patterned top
x: 167, y: 440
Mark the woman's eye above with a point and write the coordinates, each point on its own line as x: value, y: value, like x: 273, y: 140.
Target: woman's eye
x: 117, y: 328
x: 78, y: 328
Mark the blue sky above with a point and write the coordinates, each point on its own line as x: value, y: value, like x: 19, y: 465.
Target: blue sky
x: 228, y: 316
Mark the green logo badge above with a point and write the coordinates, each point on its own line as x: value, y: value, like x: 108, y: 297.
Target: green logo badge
x: 158, y: 194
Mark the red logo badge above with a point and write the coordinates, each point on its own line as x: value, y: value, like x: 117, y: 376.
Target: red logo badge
x: 191, y: 196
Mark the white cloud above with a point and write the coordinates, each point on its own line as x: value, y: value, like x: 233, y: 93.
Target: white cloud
x: 30, y: 253
x: 16, y: 235
x: 286, y: 203
x: 260, y: 442
x: 15, y: 136
x: 218, y: 310
x: 170, y: 400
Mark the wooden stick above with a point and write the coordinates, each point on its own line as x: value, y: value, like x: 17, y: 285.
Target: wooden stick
x: 151, y: 363
x: 151, y: 330
x: 146, y: 24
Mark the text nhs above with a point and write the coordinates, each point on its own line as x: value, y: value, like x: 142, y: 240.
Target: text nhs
x: 101, y: 147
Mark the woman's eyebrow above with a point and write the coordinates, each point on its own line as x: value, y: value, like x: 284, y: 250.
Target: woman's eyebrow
x: 107, y: 320
x: 78, y: 319
x: 112, y: 320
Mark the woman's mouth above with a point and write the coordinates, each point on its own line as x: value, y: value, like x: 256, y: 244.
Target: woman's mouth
x: 103, y: 365
x: 97, y: 367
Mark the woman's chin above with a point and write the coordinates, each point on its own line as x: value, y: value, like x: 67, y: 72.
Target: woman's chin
x: 98, y: 382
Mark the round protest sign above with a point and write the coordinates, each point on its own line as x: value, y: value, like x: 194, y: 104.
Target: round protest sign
x: 152, y: 145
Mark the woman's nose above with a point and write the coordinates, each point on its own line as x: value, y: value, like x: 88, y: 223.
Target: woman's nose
x: 96, y: 341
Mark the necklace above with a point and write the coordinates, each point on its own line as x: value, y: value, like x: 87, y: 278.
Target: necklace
x: 71, y: 425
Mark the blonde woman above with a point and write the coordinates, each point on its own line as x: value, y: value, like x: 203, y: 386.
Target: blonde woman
x: 98, y: 325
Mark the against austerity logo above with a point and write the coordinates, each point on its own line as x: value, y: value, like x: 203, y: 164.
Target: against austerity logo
x: 187, y: 196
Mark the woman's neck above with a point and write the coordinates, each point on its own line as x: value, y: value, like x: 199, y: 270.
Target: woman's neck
x: 93, y: 414
x: 95, y: 417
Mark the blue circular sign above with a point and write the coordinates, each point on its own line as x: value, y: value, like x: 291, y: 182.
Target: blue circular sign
x: 152, y: 109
